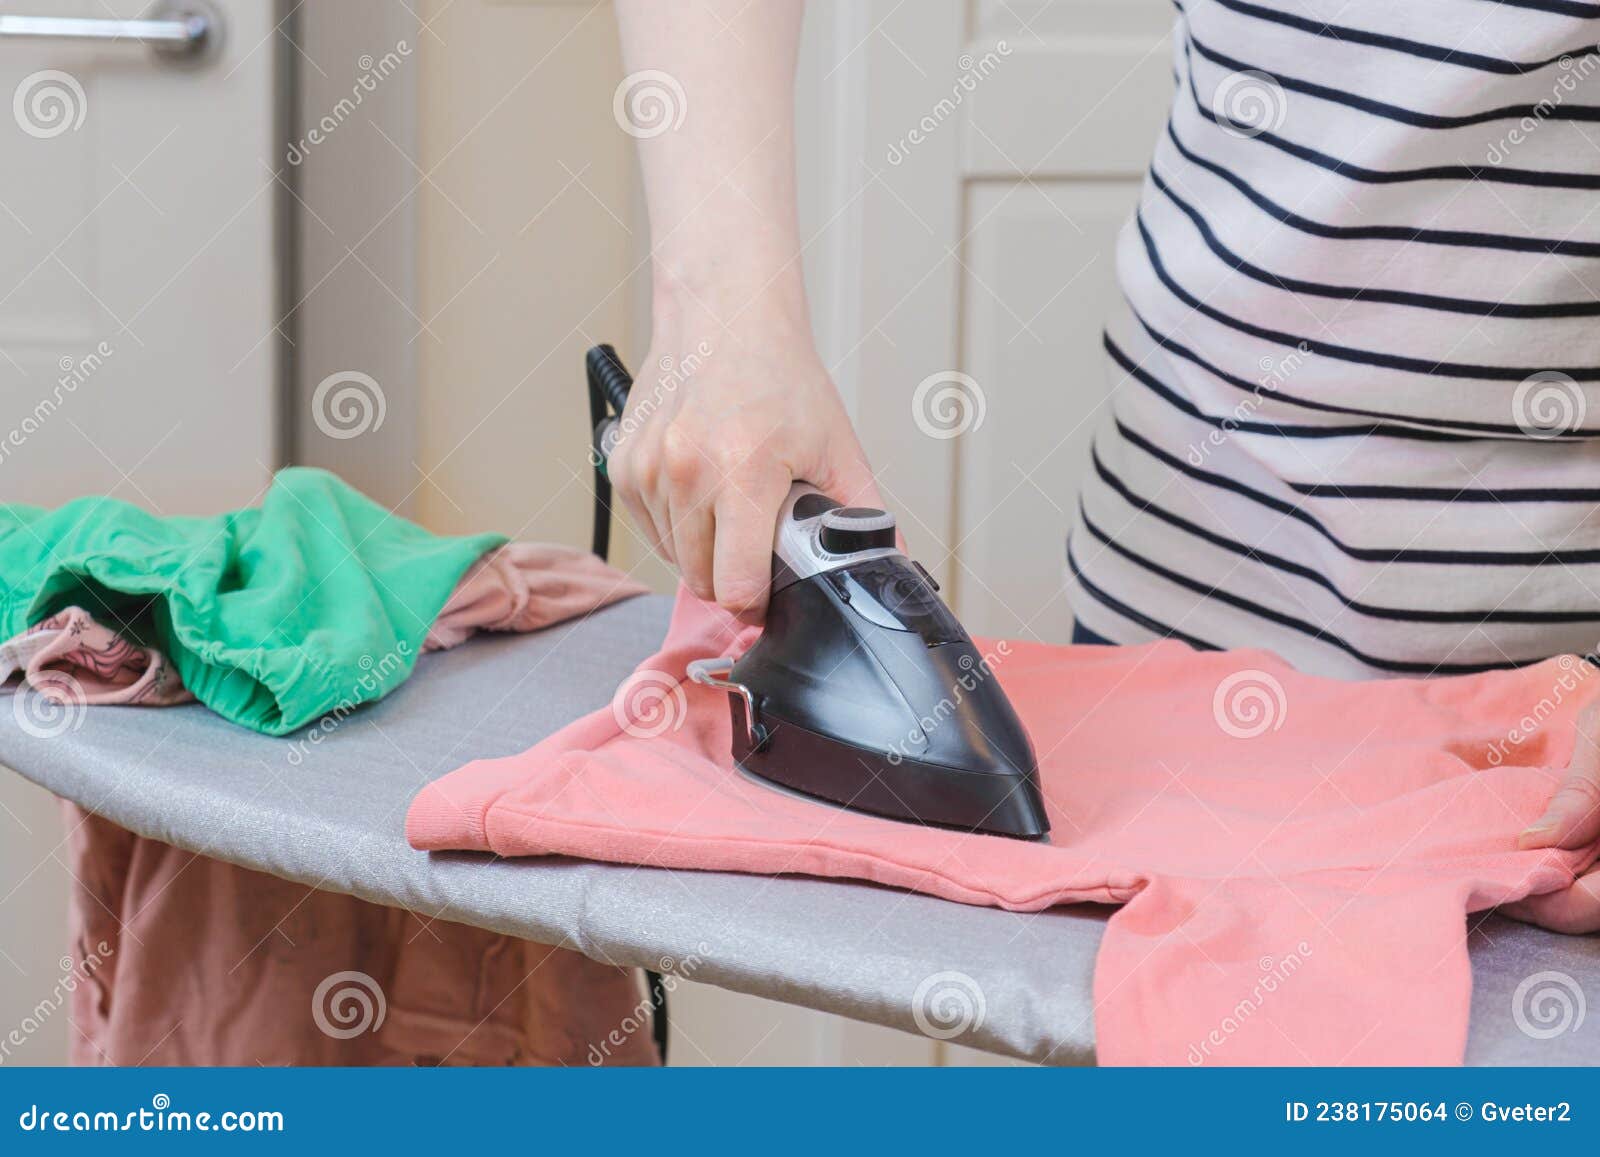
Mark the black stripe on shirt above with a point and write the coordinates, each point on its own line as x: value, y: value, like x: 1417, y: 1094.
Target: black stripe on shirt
x: 1438, y: 369
x: 1558, y: 7
x: 1359, y: 553
x: 1320, y: 634
x: 1486, y: 429
x: 1178, y: 401
x: 1400, y: 44
x: 1447, y: 494
x: 1456, y: 237
x: 1123, y: 610
x: 1288, y: 566
x: 1386, y: 296
x: 1501, y: 174
x: 1394, y: 112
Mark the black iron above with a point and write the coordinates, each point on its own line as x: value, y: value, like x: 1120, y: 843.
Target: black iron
x: 863, y: 689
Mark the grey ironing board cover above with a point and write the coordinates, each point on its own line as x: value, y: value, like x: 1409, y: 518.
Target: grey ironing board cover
x: 330, y: 813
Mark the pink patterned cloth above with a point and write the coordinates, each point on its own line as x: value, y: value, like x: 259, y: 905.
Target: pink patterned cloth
x: 70, y: 658
x: 522, y: 586
x: 187, y: 960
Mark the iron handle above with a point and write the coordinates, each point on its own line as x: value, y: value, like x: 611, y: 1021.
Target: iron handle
x: 175, y: 30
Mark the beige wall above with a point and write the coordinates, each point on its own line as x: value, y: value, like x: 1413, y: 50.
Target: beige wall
x: 528, y: 234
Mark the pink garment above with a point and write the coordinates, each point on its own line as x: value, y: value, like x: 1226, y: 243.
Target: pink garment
x: 182, y: 959
x: 1294, y: 856
x: 70, y: 658
x: 522, y: 586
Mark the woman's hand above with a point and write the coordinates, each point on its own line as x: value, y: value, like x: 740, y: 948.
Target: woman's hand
x: 1571, y: 821
x: 706, y: 461
x: 719, y: 423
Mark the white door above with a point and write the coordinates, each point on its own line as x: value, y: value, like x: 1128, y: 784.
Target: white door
x: 139, y: 288
x: 139, y: 350
x: 1057, y: 143
x: 978, y: 200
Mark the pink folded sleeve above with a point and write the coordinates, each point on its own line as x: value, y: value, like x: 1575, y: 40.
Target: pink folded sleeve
x: 1296, y: 856
x: 526, y: 586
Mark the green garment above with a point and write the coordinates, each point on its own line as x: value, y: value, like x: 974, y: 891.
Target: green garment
x: 314, y: 602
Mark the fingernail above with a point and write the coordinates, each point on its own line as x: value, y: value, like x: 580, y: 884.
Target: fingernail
x: 1533, y: 835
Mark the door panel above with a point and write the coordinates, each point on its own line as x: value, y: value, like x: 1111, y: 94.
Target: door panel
x: 1057, y: 138
x: 139, y: 265
x: 1080, y: 90
x: 1041, y: 271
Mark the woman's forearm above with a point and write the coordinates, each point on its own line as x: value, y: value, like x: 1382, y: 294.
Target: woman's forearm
x: 721, y: 185
x: 706, y: 461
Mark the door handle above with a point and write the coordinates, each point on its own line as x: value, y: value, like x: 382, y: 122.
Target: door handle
x: 171, y: 29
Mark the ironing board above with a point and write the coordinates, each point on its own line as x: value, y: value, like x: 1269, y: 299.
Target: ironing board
x: 330, y: 814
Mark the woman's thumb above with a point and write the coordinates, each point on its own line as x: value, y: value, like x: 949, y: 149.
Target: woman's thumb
x: 847, y: 478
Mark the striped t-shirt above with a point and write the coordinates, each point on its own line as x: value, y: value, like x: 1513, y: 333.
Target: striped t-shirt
x: 1354, y: 408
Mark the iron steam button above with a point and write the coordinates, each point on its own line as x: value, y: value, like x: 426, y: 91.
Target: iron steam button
x: 812, y: 504
x: 856, y: 528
